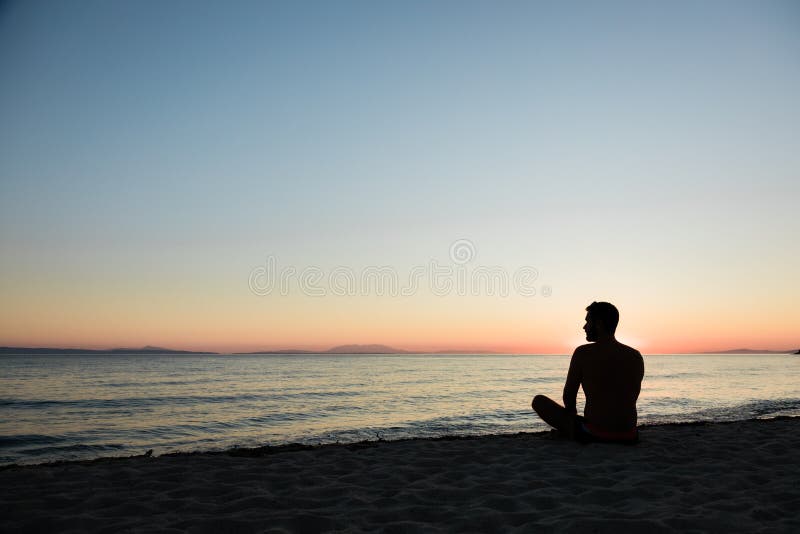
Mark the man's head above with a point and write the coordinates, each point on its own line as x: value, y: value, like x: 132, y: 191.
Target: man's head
x: 601, y: 320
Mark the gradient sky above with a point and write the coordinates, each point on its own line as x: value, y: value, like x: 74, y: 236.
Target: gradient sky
x: 153, y: 154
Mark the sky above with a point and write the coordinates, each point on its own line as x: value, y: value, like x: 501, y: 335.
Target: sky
x: 237, y: 176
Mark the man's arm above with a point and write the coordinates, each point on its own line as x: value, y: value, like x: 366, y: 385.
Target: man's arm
x: 572, y: 384
x: 639, y: 374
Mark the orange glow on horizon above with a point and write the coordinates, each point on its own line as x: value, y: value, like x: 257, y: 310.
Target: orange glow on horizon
x: 219, y: 321
x: 685, y: 346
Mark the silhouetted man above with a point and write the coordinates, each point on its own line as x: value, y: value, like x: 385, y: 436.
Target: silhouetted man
x: 611, y: 375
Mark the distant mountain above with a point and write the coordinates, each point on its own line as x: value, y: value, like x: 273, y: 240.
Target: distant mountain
x: 462, y: 351
x: 365, y: 349
x: 281, y: 351
x: 149, y: 349
x: 750, y: 351
x: 341, y: 349
x: 144, y: 350
x: 384, y: 349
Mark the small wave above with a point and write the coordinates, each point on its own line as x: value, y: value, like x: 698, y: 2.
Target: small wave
x: 754, y: 409
x: 672, y: 376
x: 28, y: 439
x: 68, y: 450
x: 541, y: 380
x: 161, y: 383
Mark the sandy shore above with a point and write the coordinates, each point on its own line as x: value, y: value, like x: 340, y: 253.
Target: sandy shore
x: 742, y: 477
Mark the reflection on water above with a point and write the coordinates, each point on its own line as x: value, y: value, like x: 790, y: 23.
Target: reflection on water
x: 56, y: 407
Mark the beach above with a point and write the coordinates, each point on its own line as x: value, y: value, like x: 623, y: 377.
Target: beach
x: 704, y: 477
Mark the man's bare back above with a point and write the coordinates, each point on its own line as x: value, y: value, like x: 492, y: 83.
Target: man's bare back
x: 611, y: 375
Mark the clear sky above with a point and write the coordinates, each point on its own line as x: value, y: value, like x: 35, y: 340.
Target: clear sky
x: 155, y: 155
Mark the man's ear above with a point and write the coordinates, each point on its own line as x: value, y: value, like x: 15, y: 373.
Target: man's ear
x: 600, y: 325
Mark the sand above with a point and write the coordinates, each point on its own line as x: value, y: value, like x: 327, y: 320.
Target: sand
x: 742, y: 477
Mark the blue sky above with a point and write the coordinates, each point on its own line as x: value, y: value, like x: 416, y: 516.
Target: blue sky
x: 634, y: 150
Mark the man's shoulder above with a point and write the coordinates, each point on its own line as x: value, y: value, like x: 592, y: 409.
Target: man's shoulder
x: 584, y: 349
x: 633, y: 356
x: 618, y: 348
x: 630, y: 350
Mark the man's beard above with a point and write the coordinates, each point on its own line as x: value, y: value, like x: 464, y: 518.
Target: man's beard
x: 591, y: 334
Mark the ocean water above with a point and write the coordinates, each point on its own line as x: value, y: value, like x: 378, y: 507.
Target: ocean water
x: 86, y: 406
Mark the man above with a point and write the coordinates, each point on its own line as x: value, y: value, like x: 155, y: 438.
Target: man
x: 611, y: 375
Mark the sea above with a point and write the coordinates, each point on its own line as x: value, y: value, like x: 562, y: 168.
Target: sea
x: 78, y: 407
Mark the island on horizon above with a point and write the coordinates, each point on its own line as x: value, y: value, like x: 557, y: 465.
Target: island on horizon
x: 148, y: 349
x: 367, y: 349
x: 751, y: 351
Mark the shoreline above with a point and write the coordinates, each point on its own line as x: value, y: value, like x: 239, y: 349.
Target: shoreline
x: 268, y: 450
x: 737, y: 476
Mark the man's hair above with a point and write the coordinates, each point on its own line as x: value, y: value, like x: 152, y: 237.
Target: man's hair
x: 606, y: 312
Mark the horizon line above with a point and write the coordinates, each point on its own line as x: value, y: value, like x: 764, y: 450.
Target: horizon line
x: 356, y: 349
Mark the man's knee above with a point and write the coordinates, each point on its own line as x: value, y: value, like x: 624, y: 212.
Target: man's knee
x: 538, y: 402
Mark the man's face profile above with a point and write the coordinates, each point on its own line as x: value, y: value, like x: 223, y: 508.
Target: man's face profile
x: 590, y: 328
